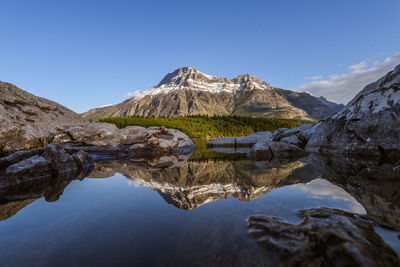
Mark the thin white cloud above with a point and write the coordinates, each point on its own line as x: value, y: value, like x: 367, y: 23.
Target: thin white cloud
x: 342, y: 88
x: 314, y: 78
x: 106, y: 105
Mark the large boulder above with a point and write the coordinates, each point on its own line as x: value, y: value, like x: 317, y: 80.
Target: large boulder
x: 28, y: 121
x: 369, y: 125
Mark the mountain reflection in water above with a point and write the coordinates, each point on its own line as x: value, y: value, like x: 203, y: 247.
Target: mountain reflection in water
x: 125, y: 217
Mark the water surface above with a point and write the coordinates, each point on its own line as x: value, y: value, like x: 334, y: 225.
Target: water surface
x: 190, y: 213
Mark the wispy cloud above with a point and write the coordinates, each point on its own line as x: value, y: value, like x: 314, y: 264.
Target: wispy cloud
x: 342, y: 88
x: 132, y: 94
x: 360, y: 66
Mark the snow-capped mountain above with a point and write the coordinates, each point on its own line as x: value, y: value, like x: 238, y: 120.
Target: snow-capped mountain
x: 191, y: 78
x: 187, y: 91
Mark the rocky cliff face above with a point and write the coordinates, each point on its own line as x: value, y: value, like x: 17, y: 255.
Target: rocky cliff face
x: 316, y: 107
x: 188, y: 91
x: 369, y: 124
x: 28, y: 121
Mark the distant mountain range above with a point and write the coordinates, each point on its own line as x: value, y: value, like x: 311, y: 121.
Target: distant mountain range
x: 187, y: 91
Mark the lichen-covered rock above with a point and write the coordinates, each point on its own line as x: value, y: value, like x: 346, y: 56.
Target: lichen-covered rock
x: 368, y: 125
x: 28, y: 121
x: 325, y: 237
x: 266, y: 150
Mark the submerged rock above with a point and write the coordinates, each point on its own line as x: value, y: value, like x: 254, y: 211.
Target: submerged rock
x: 325, y: 237
x: 369, y: 125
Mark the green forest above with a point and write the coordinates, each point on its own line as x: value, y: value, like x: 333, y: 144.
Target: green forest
x: 208, y: 126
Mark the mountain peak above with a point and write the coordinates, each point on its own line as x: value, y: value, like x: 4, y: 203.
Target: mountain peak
x: 182, y: 74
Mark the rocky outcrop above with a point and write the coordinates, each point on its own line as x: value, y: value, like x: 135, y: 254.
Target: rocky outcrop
x: 187, y: 91
x: 106, y: 140
x: 369, y: 125
x: 28, y: 121
x: 325, y: 237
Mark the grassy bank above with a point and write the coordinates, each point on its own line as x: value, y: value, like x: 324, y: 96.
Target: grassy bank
x: 208, y: 127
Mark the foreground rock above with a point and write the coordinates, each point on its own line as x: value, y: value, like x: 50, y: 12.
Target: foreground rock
x: 369, y: 125
x: 41, y: 172
x: 28, y: 121
x: 325, y: 237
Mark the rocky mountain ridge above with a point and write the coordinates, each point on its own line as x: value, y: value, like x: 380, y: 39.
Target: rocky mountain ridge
x: 187, y: 91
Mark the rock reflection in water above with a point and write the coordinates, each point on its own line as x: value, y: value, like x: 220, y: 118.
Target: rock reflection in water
x: 191, y: 184
x: 375, y: 185
x: 331, y: 237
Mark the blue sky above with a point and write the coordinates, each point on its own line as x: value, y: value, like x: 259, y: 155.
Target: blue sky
x: 85, y: 54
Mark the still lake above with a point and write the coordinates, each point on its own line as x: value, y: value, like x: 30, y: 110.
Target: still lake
x: 190, y: 213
